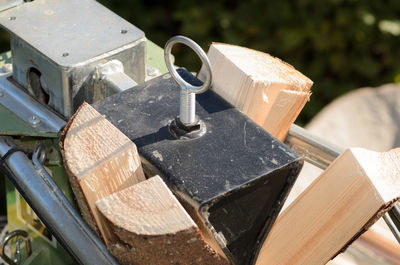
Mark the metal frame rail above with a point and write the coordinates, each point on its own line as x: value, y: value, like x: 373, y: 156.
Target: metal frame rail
x: 49, y: 203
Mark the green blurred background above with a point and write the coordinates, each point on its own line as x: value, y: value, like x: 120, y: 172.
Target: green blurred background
x: 340, y: 44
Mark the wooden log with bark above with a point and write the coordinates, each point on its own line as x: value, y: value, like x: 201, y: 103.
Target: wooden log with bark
x: 100, y: 160
x: 143, y: 223
x: 152, y: 227
x: 140, y: 220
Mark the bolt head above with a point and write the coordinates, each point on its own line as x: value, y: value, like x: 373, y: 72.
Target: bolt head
x: 34, y: 120
x: 151, y: 71
x: 7, y: 68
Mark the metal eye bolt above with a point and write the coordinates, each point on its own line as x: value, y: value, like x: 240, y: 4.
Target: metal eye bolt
x: 187, y: 113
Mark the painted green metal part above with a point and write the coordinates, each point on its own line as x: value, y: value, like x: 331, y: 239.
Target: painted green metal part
x: 5, y: 58
x: 10, y: 124
x: 155, y: 57
x: 46, y: 250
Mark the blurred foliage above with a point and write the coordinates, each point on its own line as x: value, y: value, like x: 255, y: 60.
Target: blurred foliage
x: 339, y: 44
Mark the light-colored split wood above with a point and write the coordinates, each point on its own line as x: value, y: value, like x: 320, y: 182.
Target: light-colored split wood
x: 100, y: 160
x: 340, y: 204
x: 268, y: 90
x: 377, y: 241
x: 152, y: 227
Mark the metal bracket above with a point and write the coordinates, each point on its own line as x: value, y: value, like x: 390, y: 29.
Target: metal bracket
x: 27, y: 108
x: 114, y: 78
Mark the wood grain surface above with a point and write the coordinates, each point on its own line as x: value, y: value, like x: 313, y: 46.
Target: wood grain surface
x: 343, y: 202
x: 100, y: 160
x: 268, y: 90
x: 152, y: 227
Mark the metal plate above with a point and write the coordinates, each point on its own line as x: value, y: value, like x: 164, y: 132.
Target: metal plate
x: 69, y: 31
x: 6, y: 4
x: 10, y: 124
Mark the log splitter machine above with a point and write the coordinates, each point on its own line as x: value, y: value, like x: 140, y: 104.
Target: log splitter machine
x: 67, y: 52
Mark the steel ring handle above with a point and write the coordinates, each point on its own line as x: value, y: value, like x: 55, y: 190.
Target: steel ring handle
x: 186, y: 87
x: 10, y: 236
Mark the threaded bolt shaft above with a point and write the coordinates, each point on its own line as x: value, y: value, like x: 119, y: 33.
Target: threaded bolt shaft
x: 187, y: 113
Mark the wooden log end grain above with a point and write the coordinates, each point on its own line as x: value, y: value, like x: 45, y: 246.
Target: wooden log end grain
x: 99, y: 160
x: 266, y: 89
x: 152, y: 227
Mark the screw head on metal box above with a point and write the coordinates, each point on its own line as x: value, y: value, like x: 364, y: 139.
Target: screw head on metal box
x: 67, y: 63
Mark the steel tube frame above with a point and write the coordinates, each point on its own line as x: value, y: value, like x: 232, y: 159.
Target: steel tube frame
x: 49, y: 203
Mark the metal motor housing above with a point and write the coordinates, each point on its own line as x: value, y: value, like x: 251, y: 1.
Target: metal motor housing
x: 63, y: 42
